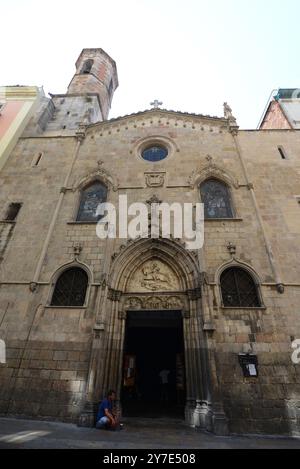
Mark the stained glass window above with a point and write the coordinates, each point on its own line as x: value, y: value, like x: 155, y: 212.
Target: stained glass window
x: 216, y: 198
x: 155, y: 153
x: 70, y: 288
x: 91, y: 197
x: 239, y: 289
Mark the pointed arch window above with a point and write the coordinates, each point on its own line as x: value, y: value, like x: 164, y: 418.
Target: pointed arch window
x: 239, y: 289
x: 216, y: 198
x: 90, y: 198
x: 87, y: 66
x: 70, y: 288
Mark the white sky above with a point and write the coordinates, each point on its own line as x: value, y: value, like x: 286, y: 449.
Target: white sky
x: 193, y: 55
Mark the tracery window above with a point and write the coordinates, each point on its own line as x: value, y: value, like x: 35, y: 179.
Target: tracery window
x: 91, y: 197
x: 70, y: 288
x: 155, y: 153
x: 216, y: 198
x: 239, y: 289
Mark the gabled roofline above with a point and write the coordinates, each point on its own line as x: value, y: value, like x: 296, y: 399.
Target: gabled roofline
x: 222, y: 120
x: 281, y: 110
x: 267, y: 107
x: 274, y: 96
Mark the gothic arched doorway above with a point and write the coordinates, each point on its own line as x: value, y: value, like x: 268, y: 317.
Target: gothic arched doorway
x: 155, y: 280
x: 153, y: 383
x: 160, y: 278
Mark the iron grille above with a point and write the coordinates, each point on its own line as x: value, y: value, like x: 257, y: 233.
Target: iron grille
x: 239, y: 289
x: 70, y: 288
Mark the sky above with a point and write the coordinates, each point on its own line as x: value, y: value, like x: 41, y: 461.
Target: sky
x: 190, y: 54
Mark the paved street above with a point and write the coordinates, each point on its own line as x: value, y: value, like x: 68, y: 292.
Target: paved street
x: 164, y: 434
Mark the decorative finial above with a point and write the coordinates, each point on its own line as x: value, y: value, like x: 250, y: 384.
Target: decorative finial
x: 232, y: 249
x: 156, y: 104
x: 77, y: 248
x: 154, y: 200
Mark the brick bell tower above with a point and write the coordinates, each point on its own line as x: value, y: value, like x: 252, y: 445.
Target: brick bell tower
x: 96, y: 73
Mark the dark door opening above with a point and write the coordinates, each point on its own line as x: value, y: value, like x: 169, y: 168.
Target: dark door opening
x: 153, y: 370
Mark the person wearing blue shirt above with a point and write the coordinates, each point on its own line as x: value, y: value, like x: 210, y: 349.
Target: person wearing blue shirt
x: 105, y: 416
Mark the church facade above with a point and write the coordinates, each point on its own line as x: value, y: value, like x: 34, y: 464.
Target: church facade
x: 80, y: 315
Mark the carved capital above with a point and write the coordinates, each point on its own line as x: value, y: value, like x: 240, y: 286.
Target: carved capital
x: 122, y: 315
x: 194, y: 294
x: 80, y: 135
x: 209, y: 327
x: 114, y: 295
x: 98, y: 328
x: 234, y: 129
x: 280, y: 288
x: 33, y: 287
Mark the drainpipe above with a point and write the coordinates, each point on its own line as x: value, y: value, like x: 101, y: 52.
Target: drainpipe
x: 80, y: 137
x: 233, y: 128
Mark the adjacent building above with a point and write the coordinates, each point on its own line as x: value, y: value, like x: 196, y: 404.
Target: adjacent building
x: 17, y: 106
x: 282, y: 110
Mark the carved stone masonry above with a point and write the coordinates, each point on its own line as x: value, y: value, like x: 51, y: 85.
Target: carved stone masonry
x: 33, y: 287
x: 103, y: 280
x: 232, y: 249
x: 154, y: 302
x: 77, y: 248
x: 114, y: 295
x: 155, y: 179
x: 122, y: 315
x: 194, y: 294
x: 98, y: 328
x: 153, y: 200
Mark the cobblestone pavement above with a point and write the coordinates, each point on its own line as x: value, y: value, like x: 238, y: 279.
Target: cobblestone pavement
x: 146, y: 433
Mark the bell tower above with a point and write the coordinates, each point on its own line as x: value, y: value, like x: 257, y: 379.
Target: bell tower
x: 96, y: 73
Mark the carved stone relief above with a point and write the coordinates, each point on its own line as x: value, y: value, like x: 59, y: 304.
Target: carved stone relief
x: 155, y: 179
x: 154, y: 303
x: 154, y: 276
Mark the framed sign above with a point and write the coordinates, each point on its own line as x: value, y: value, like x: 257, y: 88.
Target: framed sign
x: 249, y: 365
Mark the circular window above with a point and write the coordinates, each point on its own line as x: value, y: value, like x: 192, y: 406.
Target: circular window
x: 155, y: 153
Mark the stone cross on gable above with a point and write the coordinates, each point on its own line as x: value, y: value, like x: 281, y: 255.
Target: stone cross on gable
x: 156, y: 104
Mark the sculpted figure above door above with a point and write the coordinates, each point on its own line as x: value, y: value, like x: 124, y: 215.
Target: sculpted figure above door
x: 154, y: 276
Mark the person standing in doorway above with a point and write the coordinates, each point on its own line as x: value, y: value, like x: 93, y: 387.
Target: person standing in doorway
x: 164, y: 385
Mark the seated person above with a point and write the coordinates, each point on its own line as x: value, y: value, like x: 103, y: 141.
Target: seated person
x: 105, y: 417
